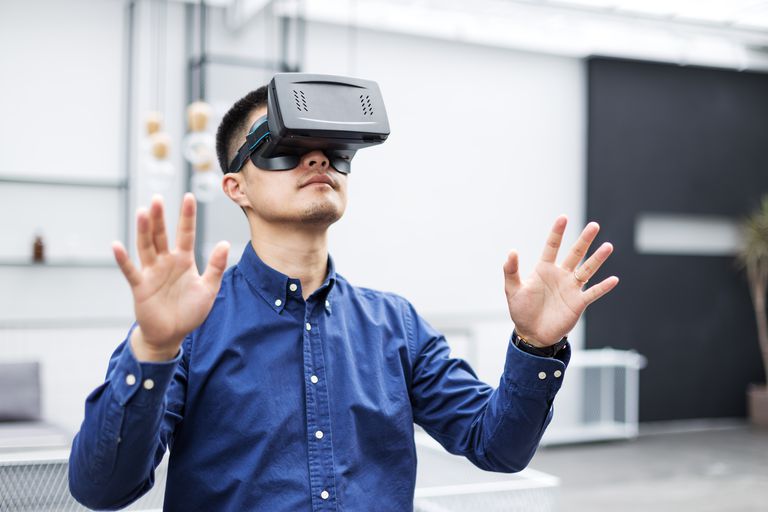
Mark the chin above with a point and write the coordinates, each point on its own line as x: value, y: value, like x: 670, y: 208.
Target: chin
x: 325, y: 213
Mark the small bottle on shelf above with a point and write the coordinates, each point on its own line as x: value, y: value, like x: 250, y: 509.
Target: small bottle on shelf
x: 38, y: 248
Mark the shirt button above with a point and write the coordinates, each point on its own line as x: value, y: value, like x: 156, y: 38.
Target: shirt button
x: 130, y: 379
x: 542, y: 375
x: 558, y: 373
x: 149, y: 384
x: 314, y: 379
x: 293, y: 287
x: 327, y: 304
x: 278, y: 302
x: 309, y: 326
x: 324, y: 495
x: 319, y: 434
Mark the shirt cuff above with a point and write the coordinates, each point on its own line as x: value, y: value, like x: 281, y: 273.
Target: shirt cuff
x: 141, y: 383
x: 543, y: 374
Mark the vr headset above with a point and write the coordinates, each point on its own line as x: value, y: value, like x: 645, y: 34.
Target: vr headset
x: 334, y: 114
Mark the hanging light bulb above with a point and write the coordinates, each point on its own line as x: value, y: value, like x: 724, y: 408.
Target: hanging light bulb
x: 153, y: 122
x: 205, y: 183
x: 199, y: 145
x: 159, y: 170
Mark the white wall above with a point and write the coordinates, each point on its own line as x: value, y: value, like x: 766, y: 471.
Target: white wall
x: 485, y: 152
x: 487, y: 148
x: 61, y: 68
x: 61, y: 97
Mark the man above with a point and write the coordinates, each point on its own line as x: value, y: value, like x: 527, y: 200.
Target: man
x: 277, y: 385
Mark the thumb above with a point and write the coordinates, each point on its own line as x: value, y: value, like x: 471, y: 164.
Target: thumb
x: 217, y: 264
x: 511, y: 273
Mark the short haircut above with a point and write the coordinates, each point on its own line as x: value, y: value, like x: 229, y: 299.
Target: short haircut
x: 232, y: 130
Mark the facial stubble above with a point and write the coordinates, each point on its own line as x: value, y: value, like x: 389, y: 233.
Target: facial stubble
x: 320, y: 213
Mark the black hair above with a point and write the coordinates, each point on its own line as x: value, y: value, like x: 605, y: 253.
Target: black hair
x: 231, y: 132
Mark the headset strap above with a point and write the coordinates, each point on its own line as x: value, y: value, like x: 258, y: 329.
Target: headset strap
x: 258, y: 134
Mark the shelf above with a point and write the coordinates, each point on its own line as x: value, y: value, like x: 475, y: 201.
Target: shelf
x: 71, y: 322
x: 22, y: 180
x: 60, y: 263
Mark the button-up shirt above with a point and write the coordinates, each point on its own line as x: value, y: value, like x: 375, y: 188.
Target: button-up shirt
x: 278, y: 403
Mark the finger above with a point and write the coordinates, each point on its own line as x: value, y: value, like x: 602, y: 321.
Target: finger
x: 185, y: 232
x: 217, y: 264
x: 159, y: 236
x: 594, y: 262
x: 126, y: 265
x: 554, y: 239
x: 144, y: 241
x: 512, y: 273
x: 595, y: 292
x: 581, y: 246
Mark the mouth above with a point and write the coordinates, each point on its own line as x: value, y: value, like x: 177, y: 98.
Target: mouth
x: 320, y: 179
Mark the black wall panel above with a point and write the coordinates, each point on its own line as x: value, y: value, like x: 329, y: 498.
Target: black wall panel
x: 676, y: 140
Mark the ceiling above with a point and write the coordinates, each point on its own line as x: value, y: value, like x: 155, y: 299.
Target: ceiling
x: 724, y: 33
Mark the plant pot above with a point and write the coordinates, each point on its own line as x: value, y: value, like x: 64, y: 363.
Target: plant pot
x: 757, y: 401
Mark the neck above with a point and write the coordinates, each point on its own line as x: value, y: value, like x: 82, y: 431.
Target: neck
x: 296, y: 252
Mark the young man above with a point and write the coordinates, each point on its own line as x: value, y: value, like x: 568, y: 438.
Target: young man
x: 280, y: 386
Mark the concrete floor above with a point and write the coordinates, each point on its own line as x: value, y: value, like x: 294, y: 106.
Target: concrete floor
x: 681, y: 467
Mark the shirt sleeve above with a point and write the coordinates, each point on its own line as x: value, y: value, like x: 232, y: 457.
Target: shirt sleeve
x: 496, y: 429
x: 129, y: 422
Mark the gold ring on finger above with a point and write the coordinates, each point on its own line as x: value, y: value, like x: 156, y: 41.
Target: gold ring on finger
x: 579, y: 279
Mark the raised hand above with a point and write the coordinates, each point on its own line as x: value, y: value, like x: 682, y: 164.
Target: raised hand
x: 170, y: 297
x: 547, y: 305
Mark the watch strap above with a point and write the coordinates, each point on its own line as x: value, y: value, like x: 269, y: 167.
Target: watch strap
x: 548, y: 351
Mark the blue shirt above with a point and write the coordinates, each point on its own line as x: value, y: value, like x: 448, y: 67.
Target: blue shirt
x: 279, y: 404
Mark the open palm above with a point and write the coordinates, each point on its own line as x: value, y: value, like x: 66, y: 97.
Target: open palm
x: 547, y: 305
x: 171, y: 298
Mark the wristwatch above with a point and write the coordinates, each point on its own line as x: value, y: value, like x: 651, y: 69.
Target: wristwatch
x: 549, y: 351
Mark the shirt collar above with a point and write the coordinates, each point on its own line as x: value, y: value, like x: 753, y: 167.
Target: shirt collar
x: 274, y: 286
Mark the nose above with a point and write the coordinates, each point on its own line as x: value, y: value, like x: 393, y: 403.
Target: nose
x: 315, y: 160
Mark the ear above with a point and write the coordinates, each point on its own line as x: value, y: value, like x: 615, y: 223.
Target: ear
x: 234, y: 185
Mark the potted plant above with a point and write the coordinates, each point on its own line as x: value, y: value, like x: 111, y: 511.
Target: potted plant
x: 753, y: 256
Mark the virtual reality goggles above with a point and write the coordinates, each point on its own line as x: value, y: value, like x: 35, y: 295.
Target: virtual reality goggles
x: 334, y: 114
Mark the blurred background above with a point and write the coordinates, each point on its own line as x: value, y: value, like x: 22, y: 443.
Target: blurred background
x: 650, y: 117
